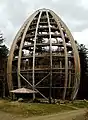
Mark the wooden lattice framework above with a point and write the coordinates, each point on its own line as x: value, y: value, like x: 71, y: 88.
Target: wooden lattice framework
x: 44, y: 57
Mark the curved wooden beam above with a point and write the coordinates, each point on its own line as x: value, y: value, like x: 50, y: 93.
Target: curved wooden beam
x: 34, y: 53
x: 21, y: 45
x: 75, y: 52
x: 50, y: 96
x: 10, y: 57
x: 66, y: 58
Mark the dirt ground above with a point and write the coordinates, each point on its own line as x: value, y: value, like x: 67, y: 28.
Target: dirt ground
x: 71, y: 115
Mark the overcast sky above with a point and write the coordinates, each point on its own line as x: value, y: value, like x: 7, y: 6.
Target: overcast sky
x: 74, y: 13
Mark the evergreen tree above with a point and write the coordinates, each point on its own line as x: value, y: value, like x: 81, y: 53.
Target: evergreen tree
x: 83, y: 89
x: 3, y: 48
x: 3, y: 61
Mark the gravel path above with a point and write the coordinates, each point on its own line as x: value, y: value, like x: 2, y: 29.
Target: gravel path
x: 70, y: 115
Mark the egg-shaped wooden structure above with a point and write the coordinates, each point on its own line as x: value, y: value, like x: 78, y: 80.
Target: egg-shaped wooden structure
x: 44, y: 57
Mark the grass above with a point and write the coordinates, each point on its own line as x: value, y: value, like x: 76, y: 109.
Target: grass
x: 38, y: 109
x: 80, y: 104
x: 31, y: 109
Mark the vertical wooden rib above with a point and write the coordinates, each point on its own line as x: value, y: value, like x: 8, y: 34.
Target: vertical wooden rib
x: 10, y: 57
x: 69, y: 74
x: 50, y: 56
x: 65, y: 51
x: 21, y: 45
x: 36, y: 32
x: 75, y: 52
x: 66, y: 60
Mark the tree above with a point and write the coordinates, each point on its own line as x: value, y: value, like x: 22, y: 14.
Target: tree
x: 3, y: 61
x: 83, y: 89
x: 3, y: 48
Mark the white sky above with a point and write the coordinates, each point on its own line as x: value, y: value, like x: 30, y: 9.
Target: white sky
x: 74, y: 13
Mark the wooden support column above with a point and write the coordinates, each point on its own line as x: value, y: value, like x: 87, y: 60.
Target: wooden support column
x: 21, y: 45
x: 36, y: 32
x: 60, y: 65
x: 66, y: 60
x: 50, y: 96
x: 69, y: 84
x: 75, y: 53
x: 65, y: 51
x: 11, y: 55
